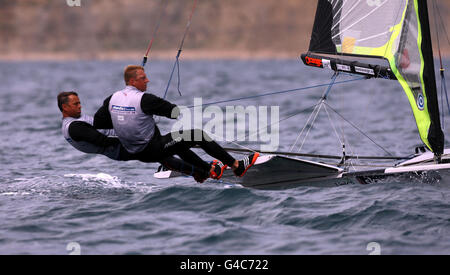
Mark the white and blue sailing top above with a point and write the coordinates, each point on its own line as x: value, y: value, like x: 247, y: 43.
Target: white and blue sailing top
x: 134, y: 128
x: 103, y: 147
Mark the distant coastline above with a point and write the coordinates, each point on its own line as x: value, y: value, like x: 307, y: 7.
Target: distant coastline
x: 114, y: 30
x: 158, y: 55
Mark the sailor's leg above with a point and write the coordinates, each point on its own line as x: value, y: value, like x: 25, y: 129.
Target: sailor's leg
x: 178, y: 165
x: 192, y: 138
x: 192, y: 158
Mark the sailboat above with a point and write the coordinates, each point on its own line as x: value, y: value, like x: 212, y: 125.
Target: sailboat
x: 387, y: 39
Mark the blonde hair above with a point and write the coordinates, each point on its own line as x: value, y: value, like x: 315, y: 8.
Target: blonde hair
x: 130, y: 72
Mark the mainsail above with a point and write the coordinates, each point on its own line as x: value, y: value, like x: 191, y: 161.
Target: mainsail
x: 386, y: 39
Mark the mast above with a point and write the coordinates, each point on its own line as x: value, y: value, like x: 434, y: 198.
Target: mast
x: 435, y: 135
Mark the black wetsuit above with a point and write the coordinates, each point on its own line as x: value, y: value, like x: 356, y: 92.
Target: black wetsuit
x: 84, y: 132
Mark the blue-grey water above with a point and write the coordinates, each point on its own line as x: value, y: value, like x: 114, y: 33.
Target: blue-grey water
x: 52, y: 196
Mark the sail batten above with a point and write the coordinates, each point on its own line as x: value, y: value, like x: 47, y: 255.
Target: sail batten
x: 359, y: 20
x: 395, y: 30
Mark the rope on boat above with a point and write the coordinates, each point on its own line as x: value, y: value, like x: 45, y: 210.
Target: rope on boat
x: 177, y: 59
x: 359, y: 130
x: 279, y: 92
x: 322, y: 101
x: 442, y: 69
x: 248, y: 150
x: 155, y: 31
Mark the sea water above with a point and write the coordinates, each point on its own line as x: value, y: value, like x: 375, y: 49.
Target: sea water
x: 57, y: 200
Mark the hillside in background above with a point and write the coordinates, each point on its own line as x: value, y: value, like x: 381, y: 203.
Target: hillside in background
x: 98, y: 27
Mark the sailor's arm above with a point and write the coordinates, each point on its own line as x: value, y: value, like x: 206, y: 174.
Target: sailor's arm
x: 82, y: 131
x: 102, y: 118
x: 153, y: 105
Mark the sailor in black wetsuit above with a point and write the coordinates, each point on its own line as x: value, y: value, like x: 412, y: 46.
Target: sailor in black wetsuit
x: 79, y: 131
x: 130, y: 112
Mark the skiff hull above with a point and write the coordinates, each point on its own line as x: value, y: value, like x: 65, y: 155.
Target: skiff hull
x: 278, y: 172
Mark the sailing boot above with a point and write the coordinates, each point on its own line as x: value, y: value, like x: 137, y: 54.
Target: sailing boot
x: 200, y: 176
x: 217, y: 169
x: 245, y: 164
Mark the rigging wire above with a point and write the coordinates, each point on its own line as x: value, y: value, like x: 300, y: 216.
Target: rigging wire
x: 176, y: 65
x: 263, y: 128
x: 323, y: 99
x: 341, y: 141
x: 373, y: 158
x: 155, y: 31
x: 437, y: 33
x: 290, y: 153
x: 443, y: 25
x: 359, y: 130
x: 316, y: 110
x: 314, y: 114
x: 442, y: 69
x: 279, y: 92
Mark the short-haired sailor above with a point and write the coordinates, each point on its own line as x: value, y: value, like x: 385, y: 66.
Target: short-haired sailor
x: 130, y: 113
x: 79, y: 132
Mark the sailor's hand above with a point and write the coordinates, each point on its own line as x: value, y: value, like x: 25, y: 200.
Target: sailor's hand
x: 199, y: 178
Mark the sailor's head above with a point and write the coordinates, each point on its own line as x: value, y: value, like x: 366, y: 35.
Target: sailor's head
x: 69, y: 104
x: 135, y: 76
